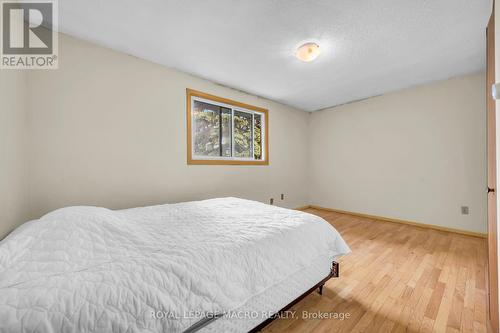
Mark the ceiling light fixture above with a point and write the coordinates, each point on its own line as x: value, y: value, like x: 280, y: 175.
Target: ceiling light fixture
x: 308, y: 52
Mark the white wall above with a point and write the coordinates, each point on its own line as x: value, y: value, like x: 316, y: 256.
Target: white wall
x: 109, y: 129
x: 417, y: 154
x: 13, y: 150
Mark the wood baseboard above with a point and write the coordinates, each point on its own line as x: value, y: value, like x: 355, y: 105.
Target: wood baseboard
x: 392, y: 220
x: 303, y: 207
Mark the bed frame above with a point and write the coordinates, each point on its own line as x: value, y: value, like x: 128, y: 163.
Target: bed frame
x: 334, y: 273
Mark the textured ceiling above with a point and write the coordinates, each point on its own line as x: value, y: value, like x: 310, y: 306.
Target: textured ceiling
x: 368, y: 47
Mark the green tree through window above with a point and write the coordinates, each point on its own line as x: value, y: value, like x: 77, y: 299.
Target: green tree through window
x: 221, y: 131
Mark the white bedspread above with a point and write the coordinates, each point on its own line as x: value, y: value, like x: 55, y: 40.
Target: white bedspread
x: 151, y: 269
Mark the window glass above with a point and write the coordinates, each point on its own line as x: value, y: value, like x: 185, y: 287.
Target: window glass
x: 206, y: 129
x: 221, y: 132
x: 257, y: 136
x: 243, y: 134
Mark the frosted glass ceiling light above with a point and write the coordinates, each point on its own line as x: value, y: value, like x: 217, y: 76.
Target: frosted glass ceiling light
x: 308, y: 52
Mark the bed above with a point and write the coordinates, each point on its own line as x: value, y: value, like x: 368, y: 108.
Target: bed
x: 218, y: 265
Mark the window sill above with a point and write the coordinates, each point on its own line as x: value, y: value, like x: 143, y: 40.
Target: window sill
x: 226, y: 162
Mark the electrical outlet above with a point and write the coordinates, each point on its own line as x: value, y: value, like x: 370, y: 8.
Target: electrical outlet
x: 464, y: 210
x: 271, y: 201
x: 282, y: 196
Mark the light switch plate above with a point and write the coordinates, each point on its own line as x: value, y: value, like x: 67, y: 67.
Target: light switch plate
x: 495, y: 91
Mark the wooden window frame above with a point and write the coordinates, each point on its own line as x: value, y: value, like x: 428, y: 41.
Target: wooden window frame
x: 190, y: 93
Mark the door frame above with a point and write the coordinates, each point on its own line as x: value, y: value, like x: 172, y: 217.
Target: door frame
x: 492, y: 175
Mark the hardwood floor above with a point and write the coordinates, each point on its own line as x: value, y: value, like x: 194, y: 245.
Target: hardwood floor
x: 398, y: 278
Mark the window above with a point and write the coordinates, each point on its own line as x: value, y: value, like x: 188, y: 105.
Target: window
x: 222, y: 131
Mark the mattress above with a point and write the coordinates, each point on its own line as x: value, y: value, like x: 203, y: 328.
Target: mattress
x: 155, y: 269
x: 261, y: 306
